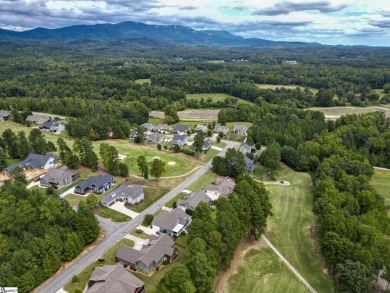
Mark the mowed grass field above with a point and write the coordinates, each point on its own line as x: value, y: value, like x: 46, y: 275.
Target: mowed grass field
x: 289, y: 87
x: 143, y: 80
x: 263, y: 272
x: 290, y: 230
x: 333, y: 113
x: 215, y: 97
x: 381, y: 182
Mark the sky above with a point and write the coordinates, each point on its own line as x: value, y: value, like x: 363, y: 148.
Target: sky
x: 346, y: 22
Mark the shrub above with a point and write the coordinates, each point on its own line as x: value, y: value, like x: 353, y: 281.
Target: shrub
x: 218, y: 139
x: 159, y: 147
x: 166, y: 261
x: 148, y: 219
x: 75, y: 279
x: 188, y: 152
x: 189, y: 212
x: 165, y: 147
x: 176, y: 148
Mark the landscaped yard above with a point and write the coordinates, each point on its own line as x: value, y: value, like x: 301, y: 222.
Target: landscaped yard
x: 210, y: 154
x: 291, y: 229
x: 111, y: 214
x: 169, y: 204
x: 109, y: 257
x: 234, y: 136
x: 381, y: 182
x: 200, y: 184
x: 215, y: 97
x: 142, y: 235
x: 262, y: 271
x: 152, y: 194
x: 74, y: 199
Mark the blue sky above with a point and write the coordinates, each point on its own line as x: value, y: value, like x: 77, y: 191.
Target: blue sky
x: 347, y: 22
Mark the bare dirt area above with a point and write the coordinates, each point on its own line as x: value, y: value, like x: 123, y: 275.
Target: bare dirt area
x: 220, y: 283
x: 332, y: 113
x: 202, y: 114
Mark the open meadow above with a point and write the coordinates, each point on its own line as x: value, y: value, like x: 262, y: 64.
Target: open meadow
x: 215, y: 97
x: 333, y: 113
x: 289, y: 87
x: 381, y: 182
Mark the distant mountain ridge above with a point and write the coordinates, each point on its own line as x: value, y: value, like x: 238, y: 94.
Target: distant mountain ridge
x: 172, y: 34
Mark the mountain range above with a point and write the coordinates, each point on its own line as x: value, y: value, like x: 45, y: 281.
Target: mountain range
x: 171, y: 34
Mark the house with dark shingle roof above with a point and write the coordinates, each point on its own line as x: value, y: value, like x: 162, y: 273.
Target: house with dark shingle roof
x: 148, y: 126
x: 223, y: 186
x: 97, y: 184
x: 220, y: 128
x: 240, y: 129
x: 201, y: 127
x: 162, y: 128
x: 250, y: 166
x: 4, y: 115
x: 172, y: 223
x: 150, y: 256
x: 114, y: 278
x: 57, y: 178
x: 34, y: 162
x: 53, y: 126
x: 180, y: 140
x: 246, y: 148
x: 156, y: 137
x: 193, y: 199
x: 38, y: 119
x: 181, y: 128
x: 131, y: 194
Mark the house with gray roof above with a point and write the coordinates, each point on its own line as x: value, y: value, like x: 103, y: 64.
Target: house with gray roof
x: 223, y: 186
x: 38, y: 119
x: 207, y: 144
x: 192, y: 200
x: 201, y: 127
x: 57, y: 178
x: 180, y: 140
x: 240, y: 129
x: 181, y: 128
x: 52, y: 126
x: 34, y: 162
x: 114, y: 278
x: 162, y: 128
x: 150, y: 256
x: 250, y: 166
x: 220, y: 128
x: 4, y: 115
x: 97, y: 184
x: 246, y: 148
x: 156, y: 137
x: 172, y: 223
x: 131, y: 194
x: 148, y: 126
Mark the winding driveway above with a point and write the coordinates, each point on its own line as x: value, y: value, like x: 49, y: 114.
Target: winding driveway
x: 115, y: 231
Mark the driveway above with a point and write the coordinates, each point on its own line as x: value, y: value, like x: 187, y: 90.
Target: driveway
x: 138, y: 242
x: 120, y: 207
x: 216, y: 148
x: 32, y: 184
x: 69, y: 191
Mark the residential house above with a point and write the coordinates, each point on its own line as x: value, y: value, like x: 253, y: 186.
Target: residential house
x: 202, y: 128
x: 34, y: 162
x: 180, y: 140
x: 250, y: 166
x: 150, y: 256
x: 207, y: 144
x: 97, y: 184
x: 223, y: 186
x: 53, y: 126
x: 4, y: 115
x: 38, y: 119
x: 246, y: 148
x: 240, y: 129
x: 57, y: 178
x: 131, y: 194
x: 192, y: 200
x: 163, y: 128
x: 172, y: 223
x: 220, y: 128
x: 156, y: 137
x: 148, y: 126
x: 181, y: 128
x: 114, y: 278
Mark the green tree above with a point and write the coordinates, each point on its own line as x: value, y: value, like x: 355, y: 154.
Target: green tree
x: 24, y: 147
x: 3, y: 162
x: 171, y: 114
x: 143, y: 166
x: 148, y: 219
x: 386, y: 88
x: 10, y: 141
x: 222, y: 117
x: 17, y: 174
x: 354, y: 277
x: 270, y: 158
x: 157, y: 168
x: 83, y: 147
x: 140, y: 136
x: 177, y: 280
x: 198, y: 143
x: 92, y: 200
x: 63, y: 148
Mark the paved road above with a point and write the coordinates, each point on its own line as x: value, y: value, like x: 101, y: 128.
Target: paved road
x: 299, y: 276
x: 115, y: 231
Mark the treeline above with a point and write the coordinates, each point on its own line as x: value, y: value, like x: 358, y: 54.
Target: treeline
x: 353, y: 224
x: 213, y: 240
x: 37, y: 233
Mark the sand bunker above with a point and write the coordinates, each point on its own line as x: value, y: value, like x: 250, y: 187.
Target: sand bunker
x: 171, y: 163
x: 121, y: 157
x: 156, y: 158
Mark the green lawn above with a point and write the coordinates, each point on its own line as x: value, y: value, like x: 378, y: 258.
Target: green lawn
x: 210, y: 154
x: 139, y: 235
x: 381, y: 182
x: 74, y: 199
x: 234, y: 136
x: 260, y: 172
x: 264, y: 272
x: 111, y: 214
x: 109, y: 257
x: 292, y: 226
x: 143, y: 80
x: 215, y: 97
x: 169, y: 204
x: 208, y: 177
x: 152, y: 194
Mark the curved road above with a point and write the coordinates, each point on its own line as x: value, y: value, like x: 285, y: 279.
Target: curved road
x: 116, y: 231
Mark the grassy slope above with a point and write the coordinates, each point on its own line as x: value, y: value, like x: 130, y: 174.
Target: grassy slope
x: 289, y: 229
x: 381, y: 182
x: 264, y: 272
x: 208, y: 177
x: 215, y: 97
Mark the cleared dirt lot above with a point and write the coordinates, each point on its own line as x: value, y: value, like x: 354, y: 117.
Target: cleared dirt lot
x: 201, y: 114
x: 332, y: 113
